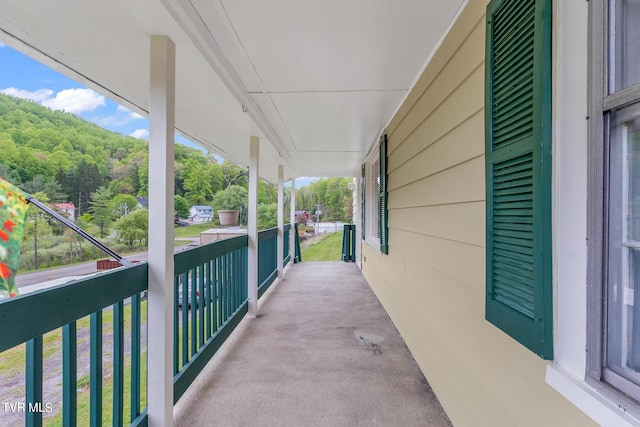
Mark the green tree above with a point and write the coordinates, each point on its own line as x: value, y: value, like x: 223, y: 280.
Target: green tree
x: 49, y: 186
x: 37, y: 225
x: 101, y: 209
x: 267, y: 216
x: 196, y: 183
x: 216, y: 177
x: 332, y: 194
x: 233, y: 174
x: 232, y: 198
x: 181, y: 207
x: 133, y: 228
x: 123, y: 204
x: 9, y: 174
x: 267, y: 193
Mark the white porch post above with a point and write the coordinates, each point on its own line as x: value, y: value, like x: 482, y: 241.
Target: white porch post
x: 292, y: 237
x: 280, y: 251
x: 161, y: 189
x: 252, y: 226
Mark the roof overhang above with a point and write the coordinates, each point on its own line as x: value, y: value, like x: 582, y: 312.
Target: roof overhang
x: 317, y: 82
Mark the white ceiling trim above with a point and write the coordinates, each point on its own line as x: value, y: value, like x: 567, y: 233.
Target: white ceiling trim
x: 188, y: 18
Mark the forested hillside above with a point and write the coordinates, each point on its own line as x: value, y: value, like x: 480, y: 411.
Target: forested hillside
x: 331, y: 195
x: 59, y: 157
x: 69, y: 158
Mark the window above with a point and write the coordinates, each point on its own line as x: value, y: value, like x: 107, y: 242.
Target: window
x: 372, y: 189
x: 374, y: 206
x: 518, y: 171
x: 614, y: 171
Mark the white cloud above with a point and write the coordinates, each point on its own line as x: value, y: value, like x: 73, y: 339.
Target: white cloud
x: 140, y: 134
x: 2, y: 45
x: 121, y: 117
x: 75, y: 101
x: 38, y: 95
x: 124, y: 110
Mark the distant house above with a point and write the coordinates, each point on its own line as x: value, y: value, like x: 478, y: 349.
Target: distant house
x: 68, y: 210
x: 301, y: 217
x: 200, y: 213
x: 143, y: 202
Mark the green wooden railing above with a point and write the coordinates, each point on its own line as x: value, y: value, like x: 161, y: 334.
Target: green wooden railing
x: 213, y: 282
x: 286, y: 256
x: 267, y: 259
x: 298, y: 253
x: 27, y: 318
x: 349, y: 243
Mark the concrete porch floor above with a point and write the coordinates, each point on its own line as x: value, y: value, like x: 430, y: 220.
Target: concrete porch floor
x: 322, y: 352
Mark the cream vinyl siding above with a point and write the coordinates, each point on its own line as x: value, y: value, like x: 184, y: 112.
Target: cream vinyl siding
x: 432, y: 283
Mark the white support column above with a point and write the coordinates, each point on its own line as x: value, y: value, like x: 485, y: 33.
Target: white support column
x: 252, y: 226
x: 161, y: 190
x: 292, y: 236
x: 280, y: 250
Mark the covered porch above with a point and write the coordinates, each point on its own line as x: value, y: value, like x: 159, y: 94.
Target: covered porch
x: 322, y: 352
x: 286, y: 90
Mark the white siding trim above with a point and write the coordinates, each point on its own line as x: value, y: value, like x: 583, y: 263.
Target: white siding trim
x: 587, y: 399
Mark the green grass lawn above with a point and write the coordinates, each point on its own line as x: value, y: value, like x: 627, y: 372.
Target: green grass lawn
x: 13, y: 361
x: 193, y: 230
x: 328, y: 248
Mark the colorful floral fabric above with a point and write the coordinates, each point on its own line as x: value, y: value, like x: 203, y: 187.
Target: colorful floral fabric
x: 13, y: 215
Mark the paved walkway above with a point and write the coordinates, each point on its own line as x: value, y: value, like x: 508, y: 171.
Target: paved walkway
x: 322, y: 352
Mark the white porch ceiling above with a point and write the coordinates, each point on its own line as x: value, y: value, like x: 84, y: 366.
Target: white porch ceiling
x: 318, y: 81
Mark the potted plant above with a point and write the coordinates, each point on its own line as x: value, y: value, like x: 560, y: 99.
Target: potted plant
x: 229, y: 202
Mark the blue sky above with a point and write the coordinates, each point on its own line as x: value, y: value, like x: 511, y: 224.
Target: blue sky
x: 23, y: 77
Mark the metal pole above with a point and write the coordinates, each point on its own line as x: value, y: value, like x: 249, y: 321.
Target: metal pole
x: 80, y: 231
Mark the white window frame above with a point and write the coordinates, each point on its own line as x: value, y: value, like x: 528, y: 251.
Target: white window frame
x: 372, y: 199
x: 575, y: 216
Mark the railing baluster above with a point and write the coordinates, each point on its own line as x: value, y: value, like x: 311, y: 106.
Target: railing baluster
x: 219, y: 290
x: 223, y: 286
x: 241, y: 271
x: 194, y: 303
x: 234, y: 282
x: 245, y: 274
x: 214, y: 296
x: 208, y: 299
x: 201, y: 305
x: 69, y: 375
x: 95, y: 369
x: 239, y: 278
x: 185, y: 319
x: 227, y: 280
x: 118, y: 364
x: 176, y: 329
x: 33, y: 387
x: 135, y: 356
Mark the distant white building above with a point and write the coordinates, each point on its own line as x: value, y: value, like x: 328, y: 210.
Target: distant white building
x: 201, y: 213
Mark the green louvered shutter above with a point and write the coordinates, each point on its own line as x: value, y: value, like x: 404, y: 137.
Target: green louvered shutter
x: 383, y: 218
x: 518, y: 171
x: 363, y: 184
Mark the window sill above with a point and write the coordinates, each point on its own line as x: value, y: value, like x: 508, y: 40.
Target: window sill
x: 373, y: 243
x: 587, y: 399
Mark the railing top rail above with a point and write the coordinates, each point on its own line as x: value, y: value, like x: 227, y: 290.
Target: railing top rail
x: 191, y: 258
x: 31, y: 315
x: 268, y: 233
